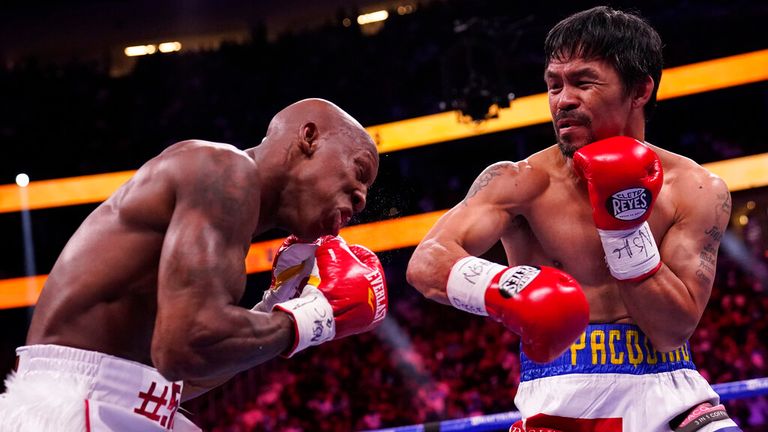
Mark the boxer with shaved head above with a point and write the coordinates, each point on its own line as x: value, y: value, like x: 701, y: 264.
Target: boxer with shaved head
x: 140, y: 311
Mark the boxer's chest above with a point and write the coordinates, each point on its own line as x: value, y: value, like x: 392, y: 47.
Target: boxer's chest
x: 561, y: 232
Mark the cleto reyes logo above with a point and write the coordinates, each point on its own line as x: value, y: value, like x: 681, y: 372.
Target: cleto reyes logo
x: 516, y: 279
x: 629, y: 204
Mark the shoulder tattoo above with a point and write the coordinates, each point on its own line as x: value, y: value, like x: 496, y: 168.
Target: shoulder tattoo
x: 483, y: 180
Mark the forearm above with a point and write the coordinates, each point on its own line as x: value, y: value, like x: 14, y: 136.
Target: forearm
x: 663, y: 307
x: 222, y: 343
x: 430, y: 266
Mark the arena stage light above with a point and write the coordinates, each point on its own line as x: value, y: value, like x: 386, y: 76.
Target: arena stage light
x: 139, y: 50
x: 372, y: 17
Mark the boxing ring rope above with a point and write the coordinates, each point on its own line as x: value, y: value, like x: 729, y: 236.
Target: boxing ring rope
x: 727, y: 391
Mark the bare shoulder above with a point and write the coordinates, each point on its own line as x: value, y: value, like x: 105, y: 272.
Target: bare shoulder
x: 507, y: 183
x: 206, y: 158
x: 687, y: 178
x: 205, y: 166
x: 202, y: 173
x: 692, y: 186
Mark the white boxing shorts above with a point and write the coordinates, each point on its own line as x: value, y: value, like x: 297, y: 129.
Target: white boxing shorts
x: 613, y: 380
x: 63, y: 389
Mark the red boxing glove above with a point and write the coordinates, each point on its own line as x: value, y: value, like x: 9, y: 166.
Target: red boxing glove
x: 545, y: 306
x: 351, y: 297
x: 352, y: 280
x: 624, y: 178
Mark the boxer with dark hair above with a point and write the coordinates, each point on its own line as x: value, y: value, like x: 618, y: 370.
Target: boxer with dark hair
x: 635, y: 226
x: 140, y: 311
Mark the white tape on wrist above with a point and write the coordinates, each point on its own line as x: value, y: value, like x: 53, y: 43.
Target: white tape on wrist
x: 630, y: 253
x: 467, y: 282
x: 313, y: 316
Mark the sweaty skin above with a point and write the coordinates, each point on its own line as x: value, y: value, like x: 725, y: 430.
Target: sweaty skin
x: 540, y: 211
x: 155, y: 273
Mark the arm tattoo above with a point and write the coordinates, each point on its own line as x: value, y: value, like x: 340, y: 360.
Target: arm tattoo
x: 708, y: 255
x: 222, y: 197
x: 722, y: 211
x: 707, y: 263
x: 706, y: 280
x: 722, y: 214
x: 483, y: 181
x: 707, y: 258
x: 725, y: 203
x: 714, y: 233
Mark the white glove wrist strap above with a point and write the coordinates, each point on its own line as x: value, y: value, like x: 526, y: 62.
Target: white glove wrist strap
x: 313, y: 317
x: 468, y: 281
x: 630, y: 253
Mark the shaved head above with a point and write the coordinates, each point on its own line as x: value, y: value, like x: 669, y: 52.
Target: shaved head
x: 319, y: 110
x: 329, y: 119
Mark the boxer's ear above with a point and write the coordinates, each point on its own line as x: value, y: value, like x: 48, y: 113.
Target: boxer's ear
x: 641, y: 94
x: 308, y: 135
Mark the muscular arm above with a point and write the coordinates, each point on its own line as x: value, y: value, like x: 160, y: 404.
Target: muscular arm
x: 470, y: 228
x: 669, y: 305
x: 200, y: 332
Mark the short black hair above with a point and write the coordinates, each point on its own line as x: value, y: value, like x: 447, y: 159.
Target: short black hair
x: 623, y: 39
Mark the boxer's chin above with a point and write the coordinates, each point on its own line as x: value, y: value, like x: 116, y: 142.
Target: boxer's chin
x: 571, y: 142
x: 567, y: 149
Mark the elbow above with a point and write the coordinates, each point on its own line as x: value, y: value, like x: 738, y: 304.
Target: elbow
x: 667, y: 345
x: 176, y: 358
x: 176, y: 364
x: 668, y: 340
x: 172, y: 363
x: 415, y: 274
x: 422, y: 275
